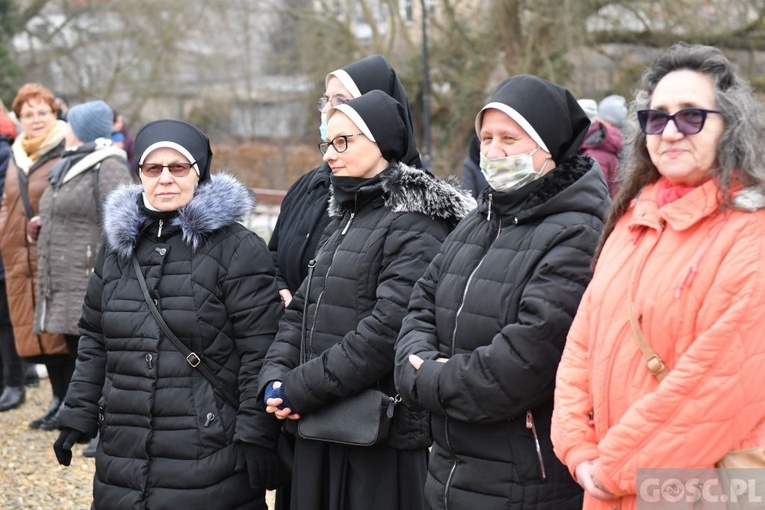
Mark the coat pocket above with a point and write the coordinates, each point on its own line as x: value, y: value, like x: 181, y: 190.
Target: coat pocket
x: 214, y: 420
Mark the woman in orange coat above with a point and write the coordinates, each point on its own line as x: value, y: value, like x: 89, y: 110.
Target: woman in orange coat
x: 683, y: 253
x: 34, y: 153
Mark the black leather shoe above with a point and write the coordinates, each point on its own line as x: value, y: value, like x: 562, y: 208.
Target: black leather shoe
x: 51, y: 423
x: 52, y: 410
x: 12, y: 397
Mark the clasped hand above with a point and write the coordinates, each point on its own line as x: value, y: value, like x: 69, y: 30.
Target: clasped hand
x: 275, y: 407
x: 585, y: 476
x: 417, y: 361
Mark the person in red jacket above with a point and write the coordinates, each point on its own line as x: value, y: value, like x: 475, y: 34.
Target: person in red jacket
x: 604, y: 141
x: 681, y: 264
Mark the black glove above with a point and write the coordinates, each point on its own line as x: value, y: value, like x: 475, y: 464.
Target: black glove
x: 262, y: 466
x: 63, y: 445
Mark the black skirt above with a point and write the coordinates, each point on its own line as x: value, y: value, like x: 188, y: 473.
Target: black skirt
x: 327, y: 476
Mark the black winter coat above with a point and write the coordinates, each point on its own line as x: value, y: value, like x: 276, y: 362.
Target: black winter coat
x: 167, y: 439
x: 379, y: 246
x: 302, y: 219
x: 498, y: 301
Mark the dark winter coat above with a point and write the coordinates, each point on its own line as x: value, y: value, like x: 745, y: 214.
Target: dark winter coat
x: 379, y: 246
x: 497, y: 301
x: 604, y: 144
x: 5, y: 158
x: 167, y: 439
x: 473, y: 179
x: 302, y: 219
x: 70, y: 237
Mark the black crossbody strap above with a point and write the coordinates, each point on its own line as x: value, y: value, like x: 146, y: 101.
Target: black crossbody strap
x: 24, y: 192
x: 191, y: 357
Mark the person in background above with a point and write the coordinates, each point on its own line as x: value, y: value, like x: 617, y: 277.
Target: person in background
x: 122, y: 137
x: 169, y: 437
x: 303, y: 214
x: 35, y: 151
x: 681, y: 264
x: 70, y: 215
x: 604, y: 140
x: 589, y: 107
x: 12, y: 367
x: 62, y: 106
x: 488, y: 320
x: 388, y: 220
x: 473, y: 179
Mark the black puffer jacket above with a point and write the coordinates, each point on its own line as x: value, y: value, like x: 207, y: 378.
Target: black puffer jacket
x: 380, y: 245
x: 302, y: 219
x: 167, y: 439
x: 498, y: 301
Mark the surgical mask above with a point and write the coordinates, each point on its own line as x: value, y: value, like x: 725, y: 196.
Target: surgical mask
x: 511, y: 172
x: 323, y: 127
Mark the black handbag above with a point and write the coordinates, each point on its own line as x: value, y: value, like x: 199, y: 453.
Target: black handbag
x: 359, y: 420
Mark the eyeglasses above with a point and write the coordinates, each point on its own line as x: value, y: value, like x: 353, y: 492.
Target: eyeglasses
x: 688, y: 121
x: 40, y: 115
x: 156, y: 169
x: 339, y: 143
x: 335, y: 101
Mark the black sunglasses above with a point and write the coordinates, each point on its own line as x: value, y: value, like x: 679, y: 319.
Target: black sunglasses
x: 176, y: 169
x: 688, y: 121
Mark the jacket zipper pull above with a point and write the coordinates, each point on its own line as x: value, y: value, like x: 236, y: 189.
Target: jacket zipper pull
x: 88, y: 255
x: 533, y: 429
x: 347, y: 225
x: 149, y: 359
x: 159, y: 232
x: 491, y: 205
x: 210, y: 418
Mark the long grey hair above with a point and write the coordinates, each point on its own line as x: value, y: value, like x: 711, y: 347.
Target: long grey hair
x: 741, y: 149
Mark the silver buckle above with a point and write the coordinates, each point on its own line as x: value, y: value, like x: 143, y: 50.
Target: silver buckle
x: 193, y: 360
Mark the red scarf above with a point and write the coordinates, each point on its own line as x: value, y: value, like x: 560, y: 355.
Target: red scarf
x: 669, y: 192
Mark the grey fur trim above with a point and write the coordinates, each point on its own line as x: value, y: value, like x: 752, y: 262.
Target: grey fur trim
x: 750, y: 199
x: 218, y: 203
x: 408, y: 189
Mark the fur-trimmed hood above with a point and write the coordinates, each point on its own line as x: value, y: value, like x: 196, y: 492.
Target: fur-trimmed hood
x: 750, y: 199
x: 218, y: 203
x: 407, y: 189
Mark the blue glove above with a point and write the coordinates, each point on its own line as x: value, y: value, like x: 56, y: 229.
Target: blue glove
x: 272, y: 392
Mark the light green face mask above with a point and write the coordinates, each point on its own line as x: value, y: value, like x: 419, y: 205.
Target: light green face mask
x: 511, y: 172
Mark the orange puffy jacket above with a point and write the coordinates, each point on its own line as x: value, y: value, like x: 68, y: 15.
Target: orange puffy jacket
x: 697, y: 280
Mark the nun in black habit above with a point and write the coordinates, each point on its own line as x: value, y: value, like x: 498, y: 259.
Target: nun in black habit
x: 388, y: 221
x: 169, y: 436
x: 303, y: 216
x: 489, y: 318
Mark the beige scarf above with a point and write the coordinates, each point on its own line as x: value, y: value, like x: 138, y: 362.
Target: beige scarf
x: 28, y: 150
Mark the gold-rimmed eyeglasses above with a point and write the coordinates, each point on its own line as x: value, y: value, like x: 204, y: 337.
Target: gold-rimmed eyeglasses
x: 335, y: 101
